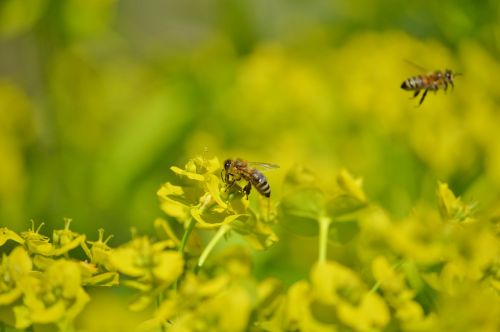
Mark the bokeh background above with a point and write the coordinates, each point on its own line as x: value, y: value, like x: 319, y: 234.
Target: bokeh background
x: 99, y: 98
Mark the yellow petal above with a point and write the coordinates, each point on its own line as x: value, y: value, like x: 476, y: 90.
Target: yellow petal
x: 211, y: 165
x: 162, y: 226
x: 386, y: 275
x: 10, y: 296
x: 6, y: 234
x: 213, y: 183
x: 168, y: 266
x: 140, y: 303
x: 26, y: 316
x: 80, y: 300
x: 65, y: 274
x: 189, y: 175
x: 236, y: 298
x: 19, y: 263
x: 350, y: 185
x: 144, y: 287
x: 103, y: 279
x: 124, y: 260
x: 69, y: 245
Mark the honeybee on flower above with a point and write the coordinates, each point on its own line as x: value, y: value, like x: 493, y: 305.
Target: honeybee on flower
x: 238, y: 169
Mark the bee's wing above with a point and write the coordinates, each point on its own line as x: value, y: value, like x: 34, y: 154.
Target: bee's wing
x: 413, y: 64
x: 263, y: 166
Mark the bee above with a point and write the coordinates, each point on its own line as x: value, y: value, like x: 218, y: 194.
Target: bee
x: 429, y: 82
x: 238, y: 169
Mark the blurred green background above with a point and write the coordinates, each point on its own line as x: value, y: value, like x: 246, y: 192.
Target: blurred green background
x: 99, y: 98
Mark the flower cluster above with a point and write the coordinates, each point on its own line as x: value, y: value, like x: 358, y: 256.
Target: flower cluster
x: 40, y: 281
x: 429, y: 271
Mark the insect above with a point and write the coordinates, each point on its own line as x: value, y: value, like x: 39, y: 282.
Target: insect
x: 429, y: 82
x: 238, y: 169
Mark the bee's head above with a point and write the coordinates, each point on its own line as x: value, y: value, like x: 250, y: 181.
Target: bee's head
x: 227, y: 164
x: 448, y: 74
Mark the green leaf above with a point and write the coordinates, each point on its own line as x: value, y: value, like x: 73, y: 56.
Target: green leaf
x: 343, y: 231
x: 210, y: 219
x: 259, y: 234
x: 343, y: 205
x: 300, y: 211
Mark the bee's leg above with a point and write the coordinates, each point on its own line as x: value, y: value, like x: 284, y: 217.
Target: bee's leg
x: 229, y: 181
x: 435, y: 87
x: 228, y: 185
x: 452, y: 86
x: 445, y: 86
x: 423, y: 96
x: 247, y: 188
x: 416, y: 93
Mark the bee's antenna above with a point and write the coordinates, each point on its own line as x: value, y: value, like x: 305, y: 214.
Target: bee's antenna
x: 458, y: 74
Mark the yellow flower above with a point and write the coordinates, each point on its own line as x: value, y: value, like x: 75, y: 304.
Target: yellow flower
x: 451, y: 207
x: 299, y: 315
x: 99, y: 250
x: 397, y: 294
x: 14, y: 268
x: 56, y: 296
x: 224, y: 301
x: 37, y: 243
x: 339, y: 288
x: 420, y: 237
x: 65, y: 240
x: 147, y: 261
x: 201, y: 189
x: 217, y: 304
x: 152, y: 267
x: 199, y: 200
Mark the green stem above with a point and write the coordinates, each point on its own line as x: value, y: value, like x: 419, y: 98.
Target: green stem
x: 324, y: 225
x: 191, y: 223
x: 190, y: 226
x: 210, y: 246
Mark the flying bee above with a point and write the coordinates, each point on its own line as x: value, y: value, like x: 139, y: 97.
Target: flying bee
x: 238, y: 169
x: 429, y: 82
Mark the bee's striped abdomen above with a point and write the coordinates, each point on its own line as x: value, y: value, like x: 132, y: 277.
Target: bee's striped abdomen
x: 413, y: 83
x: 260, y: 183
